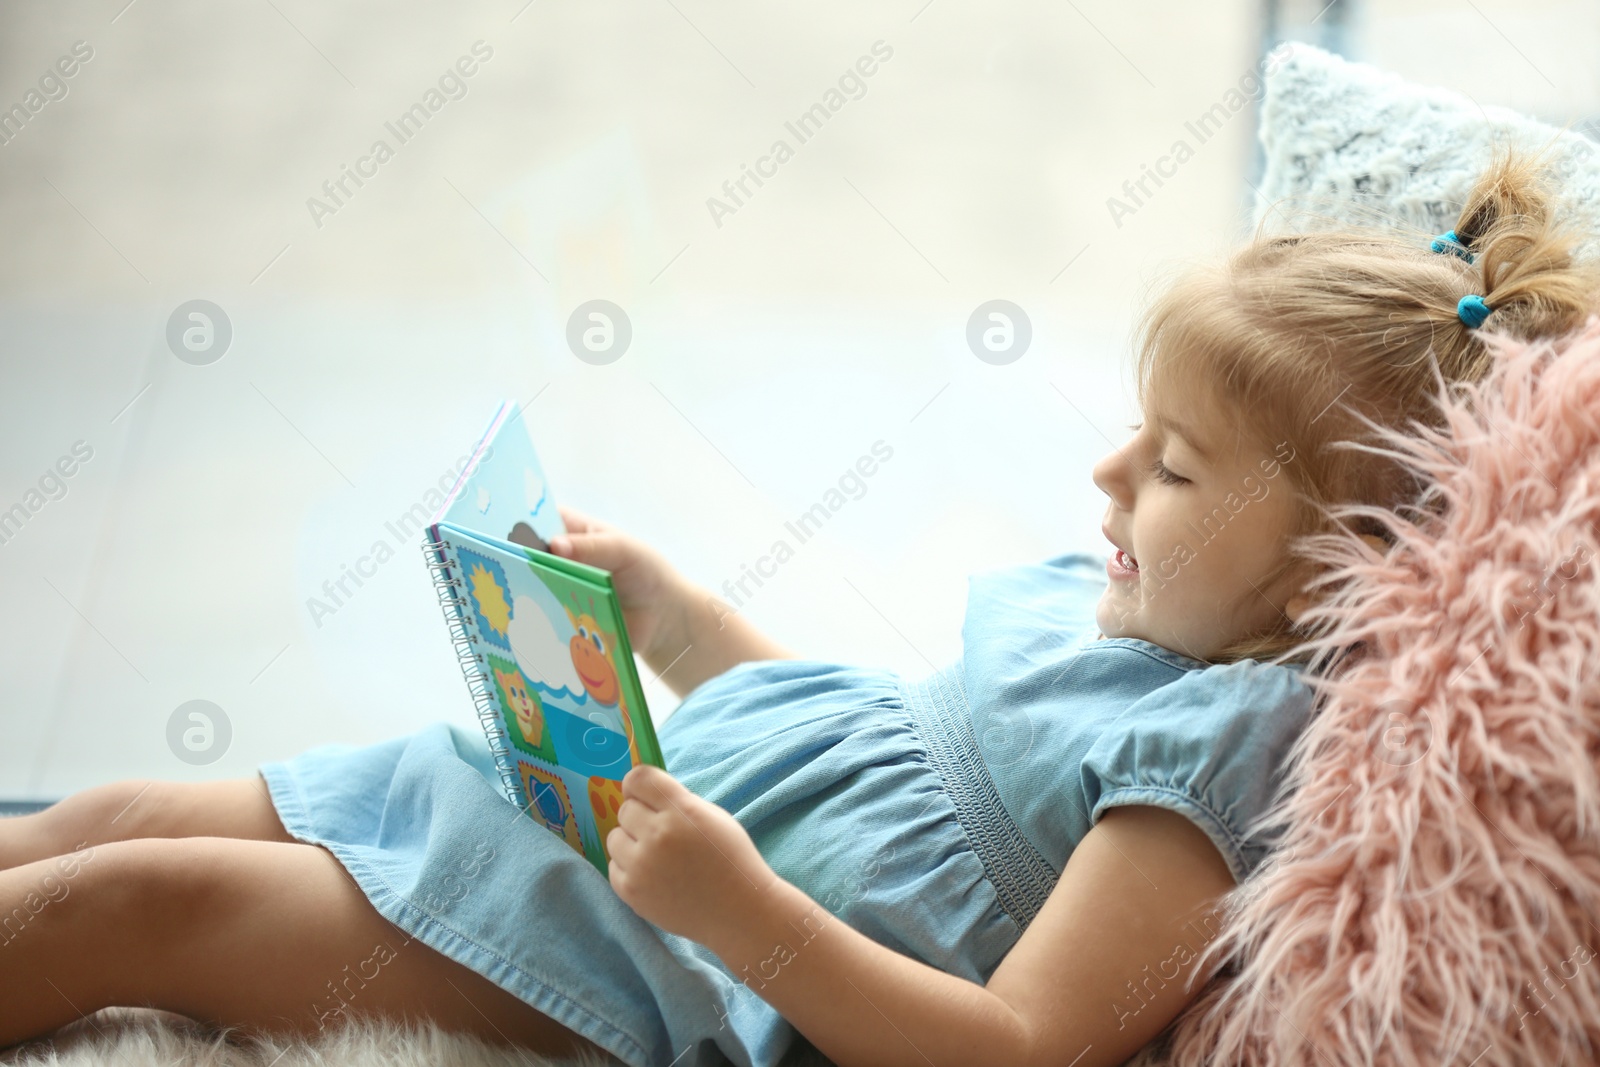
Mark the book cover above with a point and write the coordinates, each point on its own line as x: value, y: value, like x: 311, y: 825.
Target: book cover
x: 542, y: 642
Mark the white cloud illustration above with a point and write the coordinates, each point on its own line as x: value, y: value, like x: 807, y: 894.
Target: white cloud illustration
x: 541, y: 653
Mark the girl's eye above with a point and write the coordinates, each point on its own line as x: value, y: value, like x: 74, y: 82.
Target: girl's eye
x: 1159, y: 469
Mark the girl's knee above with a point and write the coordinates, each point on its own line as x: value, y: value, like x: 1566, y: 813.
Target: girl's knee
x: 152, y: 890
x: 83, y: 819
x: 100, y: 902
x: 103, y: 813
x: 125, y: 917
x: 139, y: 808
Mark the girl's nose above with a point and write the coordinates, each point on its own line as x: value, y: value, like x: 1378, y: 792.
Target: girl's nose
x: 1111, y: 476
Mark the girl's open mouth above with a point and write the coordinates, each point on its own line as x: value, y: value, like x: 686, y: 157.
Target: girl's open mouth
x: 1122, y: 566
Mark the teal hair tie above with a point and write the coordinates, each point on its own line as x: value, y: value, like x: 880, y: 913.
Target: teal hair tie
x: 1449, y: 242
x: 1472, y: 310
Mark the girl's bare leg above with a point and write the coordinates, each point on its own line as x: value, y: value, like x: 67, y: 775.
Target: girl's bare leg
x: 124, y: 811
x: 261, y: 935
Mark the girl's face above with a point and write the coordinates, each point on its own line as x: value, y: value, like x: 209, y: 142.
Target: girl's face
x: 1201, y: 518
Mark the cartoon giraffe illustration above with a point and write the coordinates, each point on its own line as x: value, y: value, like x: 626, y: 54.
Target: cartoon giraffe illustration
x: 591, y: 655
x: 605, y: 798
x: 592, y: 651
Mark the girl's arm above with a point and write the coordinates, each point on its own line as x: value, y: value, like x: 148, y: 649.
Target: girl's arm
x: 683, y: 633
x: 1096, y: 976
x: 703, y: 638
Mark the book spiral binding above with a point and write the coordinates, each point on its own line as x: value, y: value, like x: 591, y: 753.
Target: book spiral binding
x: 452, y: 601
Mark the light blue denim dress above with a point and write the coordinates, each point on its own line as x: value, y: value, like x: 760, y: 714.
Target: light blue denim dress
x: 932, y: 815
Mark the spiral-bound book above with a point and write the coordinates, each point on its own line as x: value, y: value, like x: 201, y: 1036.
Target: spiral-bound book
x: 542, y: 643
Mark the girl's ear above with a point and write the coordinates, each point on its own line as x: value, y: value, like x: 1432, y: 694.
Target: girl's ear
x: 1300, y: 602
x: 1296, y: 607
x: 1378, y: 544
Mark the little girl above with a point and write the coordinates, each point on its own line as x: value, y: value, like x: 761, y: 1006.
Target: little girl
x: 1013, y: 861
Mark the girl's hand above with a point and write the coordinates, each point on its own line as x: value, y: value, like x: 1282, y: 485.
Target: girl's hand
x: 684, y: 634
x: 648, y: 587
x: 681, y: 861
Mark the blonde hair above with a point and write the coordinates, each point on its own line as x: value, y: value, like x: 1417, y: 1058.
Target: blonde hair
x: 1304, y: 336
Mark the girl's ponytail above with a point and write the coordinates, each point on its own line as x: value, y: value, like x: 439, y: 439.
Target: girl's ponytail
x: 1524, y: 258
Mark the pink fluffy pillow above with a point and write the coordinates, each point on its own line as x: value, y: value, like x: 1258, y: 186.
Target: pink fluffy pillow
x: 1435, y: 895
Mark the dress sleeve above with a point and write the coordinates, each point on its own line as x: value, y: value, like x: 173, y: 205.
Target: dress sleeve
x: 1210, y: 746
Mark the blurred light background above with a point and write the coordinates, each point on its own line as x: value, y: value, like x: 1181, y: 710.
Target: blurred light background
x: 772, y: 345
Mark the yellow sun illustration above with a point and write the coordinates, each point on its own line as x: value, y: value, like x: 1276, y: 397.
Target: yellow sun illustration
x: 491, y: 599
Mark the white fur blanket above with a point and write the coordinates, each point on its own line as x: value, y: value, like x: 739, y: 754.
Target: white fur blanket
x: 135, y: 1037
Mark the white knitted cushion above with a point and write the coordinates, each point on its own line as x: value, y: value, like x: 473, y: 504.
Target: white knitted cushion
x: 1347, y: 143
